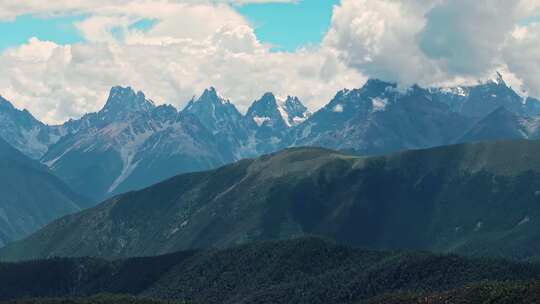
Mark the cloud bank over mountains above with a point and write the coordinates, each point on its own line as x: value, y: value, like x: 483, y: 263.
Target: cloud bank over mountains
x: 191, y: 45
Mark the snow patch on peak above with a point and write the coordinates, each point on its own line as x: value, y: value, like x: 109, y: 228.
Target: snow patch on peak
x: 260, y: 120
x: 338, y: 108
x: 296, y: 112
x: 459, y: 91
x: 379, y: 104
x: 280, y: 100
x: 299, y: 120
x: 284, y: 115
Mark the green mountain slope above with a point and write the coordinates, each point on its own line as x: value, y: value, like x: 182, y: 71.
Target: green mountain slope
x: 295, y: 271
x: 30, y: 196
x: 475, y: 199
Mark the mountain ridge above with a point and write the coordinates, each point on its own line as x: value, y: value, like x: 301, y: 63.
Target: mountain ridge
x: 432, y: 199
x: 137, y: 143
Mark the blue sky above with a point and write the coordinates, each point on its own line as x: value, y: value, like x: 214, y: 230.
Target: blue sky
x: 60, y: 30
x: 286, y: 26
x: 289, y: 26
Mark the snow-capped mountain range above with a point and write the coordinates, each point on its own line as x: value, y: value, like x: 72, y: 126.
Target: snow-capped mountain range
x: 132, y: 143
x: 22, y: 131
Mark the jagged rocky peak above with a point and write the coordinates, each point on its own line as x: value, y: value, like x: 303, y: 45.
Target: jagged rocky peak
x: 296, y: 111
x: 465, y: 90
x: 488, y: 96
x: 7, y: 105
x: 495, y: 83
x: 270, y: 110
x: 165, y: 113
x: 293, y: 102
x: 266, y: 112
x: 375, y: 87
x: 211, y: 95
x: 125, y: 99
x: 498, y: 79
x: 372, y: 96
x: 23, y: 131
x: 266, y: 104
x: 208, y: 101
x: 212, y: 109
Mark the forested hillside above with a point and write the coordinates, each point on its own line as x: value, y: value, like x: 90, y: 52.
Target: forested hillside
x: 295, y: 271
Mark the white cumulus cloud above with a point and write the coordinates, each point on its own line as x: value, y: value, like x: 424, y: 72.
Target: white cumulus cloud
x: 434, y: 41
x: 169, y: 62
x: 194, y: 44
x: 10, y: 9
